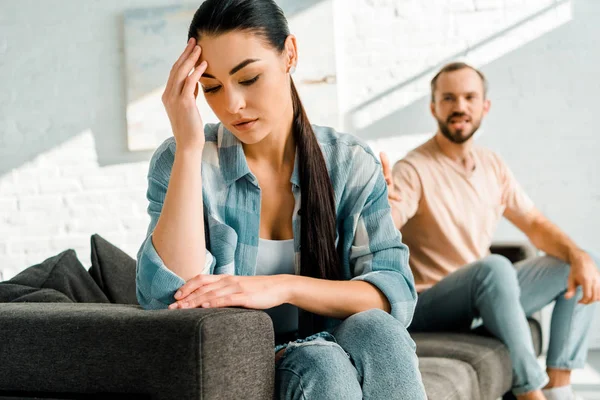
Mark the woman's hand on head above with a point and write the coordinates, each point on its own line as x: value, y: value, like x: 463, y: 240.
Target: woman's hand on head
x: 179, y: 98
x: 216, y: 291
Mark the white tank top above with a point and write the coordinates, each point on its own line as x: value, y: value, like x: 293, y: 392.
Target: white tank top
x: 277, y: 257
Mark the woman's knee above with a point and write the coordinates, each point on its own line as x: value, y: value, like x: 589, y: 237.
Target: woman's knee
x: 374, y: 331
x: 315, y: 369
x: 372, y: 322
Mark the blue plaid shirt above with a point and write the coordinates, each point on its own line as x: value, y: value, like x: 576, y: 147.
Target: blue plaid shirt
x: 371, y: 247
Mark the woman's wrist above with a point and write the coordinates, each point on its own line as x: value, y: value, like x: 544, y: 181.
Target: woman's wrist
x: 191, y: 150
x: 190, y: 156
x: 289, y: 285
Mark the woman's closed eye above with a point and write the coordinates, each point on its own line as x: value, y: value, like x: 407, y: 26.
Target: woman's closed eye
x: 247, y: 82
x: 210, y: 89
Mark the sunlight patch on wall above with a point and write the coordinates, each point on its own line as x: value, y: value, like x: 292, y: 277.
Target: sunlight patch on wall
x: 481, y: 51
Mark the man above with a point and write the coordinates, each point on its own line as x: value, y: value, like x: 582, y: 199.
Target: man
x: 447, y: 197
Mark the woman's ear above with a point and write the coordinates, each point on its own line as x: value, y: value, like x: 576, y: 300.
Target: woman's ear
x: 291, y: 54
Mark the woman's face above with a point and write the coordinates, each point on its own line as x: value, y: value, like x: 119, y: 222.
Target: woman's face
x: 247, y: 83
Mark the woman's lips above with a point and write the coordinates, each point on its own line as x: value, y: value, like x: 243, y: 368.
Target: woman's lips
x: 244, y: 126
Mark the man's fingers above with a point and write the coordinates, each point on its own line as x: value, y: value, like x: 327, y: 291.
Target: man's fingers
x: 570, y: 288
x: 385, y: 164
x: 588, y: 292
x: 393, y: 196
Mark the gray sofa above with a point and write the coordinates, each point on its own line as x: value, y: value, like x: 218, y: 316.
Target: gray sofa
x: 472, y: 365
x: 111, y: 351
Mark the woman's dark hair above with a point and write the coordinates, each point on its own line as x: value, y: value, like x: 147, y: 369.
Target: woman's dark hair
x: 318, y: 255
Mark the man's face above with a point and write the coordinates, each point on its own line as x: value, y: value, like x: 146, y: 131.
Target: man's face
x: 459, y: 104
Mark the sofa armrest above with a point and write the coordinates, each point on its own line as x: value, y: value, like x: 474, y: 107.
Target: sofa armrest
x: 109, y: 348
x: 514, y: 251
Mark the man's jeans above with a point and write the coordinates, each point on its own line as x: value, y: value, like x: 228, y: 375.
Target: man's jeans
x: 370, y: 355
x: 503, y: 295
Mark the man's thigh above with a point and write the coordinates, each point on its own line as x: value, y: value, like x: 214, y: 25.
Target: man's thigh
x: 448, y: 304
x: 541, y: 280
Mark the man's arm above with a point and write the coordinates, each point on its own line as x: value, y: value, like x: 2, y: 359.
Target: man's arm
x: 549, y: 238
x: 404, y: 190
x: 544, y: 235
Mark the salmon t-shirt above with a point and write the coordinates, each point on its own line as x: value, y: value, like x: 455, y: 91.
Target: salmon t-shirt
x: 448, y: 215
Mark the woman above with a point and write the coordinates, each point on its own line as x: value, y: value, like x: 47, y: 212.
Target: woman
x: 227, y: 229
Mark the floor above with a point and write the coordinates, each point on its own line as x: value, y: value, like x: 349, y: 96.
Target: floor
x: 586, y: 382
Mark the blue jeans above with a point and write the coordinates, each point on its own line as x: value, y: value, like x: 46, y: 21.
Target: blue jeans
x: 503, y: 296
x: 370, y: 355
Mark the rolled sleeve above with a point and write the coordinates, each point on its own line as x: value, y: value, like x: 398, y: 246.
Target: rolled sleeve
x: 396, y: 289
x: 378, y: 255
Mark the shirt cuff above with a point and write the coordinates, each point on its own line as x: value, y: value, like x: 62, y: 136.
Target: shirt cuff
x: 400, y: 293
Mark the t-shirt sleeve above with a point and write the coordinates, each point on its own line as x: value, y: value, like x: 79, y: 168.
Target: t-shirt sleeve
x: 514, y: 198
x: 408, y: 185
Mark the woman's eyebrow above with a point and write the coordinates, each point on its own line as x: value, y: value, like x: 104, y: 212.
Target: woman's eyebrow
x: 242, y: 65
x: 234, y: 69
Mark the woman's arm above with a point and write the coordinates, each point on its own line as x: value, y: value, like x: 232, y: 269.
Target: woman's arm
x: 335, y: 299
x: 179, y: 234
x: 156, y: 283
x: 175, y: 249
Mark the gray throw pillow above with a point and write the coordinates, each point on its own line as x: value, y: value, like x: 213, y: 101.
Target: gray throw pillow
x: 113, y: 270
x: 61, y: 278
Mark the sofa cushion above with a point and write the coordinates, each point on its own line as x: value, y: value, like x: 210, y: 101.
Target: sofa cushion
x: 488, y: 357
x: 447, y: 379
x: 113, y: 270
x: 534, y: 327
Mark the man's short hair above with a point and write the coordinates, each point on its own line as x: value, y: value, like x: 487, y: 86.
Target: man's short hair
x: 455, y: 66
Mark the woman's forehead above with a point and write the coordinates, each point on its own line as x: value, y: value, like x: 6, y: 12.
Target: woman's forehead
x: 224, y: 52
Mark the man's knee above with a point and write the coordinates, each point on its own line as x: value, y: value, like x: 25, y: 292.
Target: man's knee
x: 498, y: 272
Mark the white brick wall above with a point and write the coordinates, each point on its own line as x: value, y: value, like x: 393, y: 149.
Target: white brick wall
x: 65, y: 172
x: 60, y: 198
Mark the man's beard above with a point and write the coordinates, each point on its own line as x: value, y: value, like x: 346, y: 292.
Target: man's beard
x: 458, y: 137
